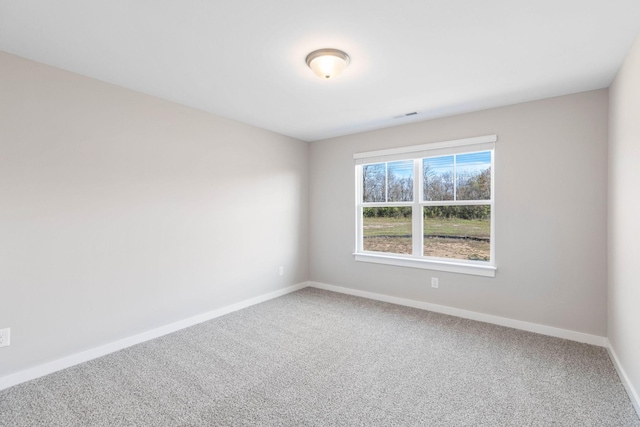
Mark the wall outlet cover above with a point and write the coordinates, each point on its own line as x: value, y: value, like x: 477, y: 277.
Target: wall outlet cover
x: 5, y: 336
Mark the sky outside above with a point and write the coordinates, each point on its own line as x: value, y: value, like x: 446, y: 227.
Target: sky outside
x: 471, y: 163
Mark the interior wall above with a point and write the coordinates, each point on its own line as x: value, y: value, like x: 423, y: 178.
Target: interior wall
x: 624, y: 226
x: 550, y: 202
x: 120, y: 212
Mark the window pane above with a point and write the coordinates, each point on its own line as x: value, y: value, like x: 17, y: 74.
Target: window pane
x: 373, y: 185
x: 473, y: 172
x: 400, y: 181
x: 459, y: 232
x: 387, y: 230
x: 438, y: 178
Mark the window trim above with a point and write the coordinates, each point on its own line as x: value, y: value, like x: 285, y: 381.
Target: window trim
x: 417, y: 260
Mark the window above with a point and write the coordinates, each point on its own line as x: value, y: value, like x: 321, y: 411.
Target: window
x: 428, y: 206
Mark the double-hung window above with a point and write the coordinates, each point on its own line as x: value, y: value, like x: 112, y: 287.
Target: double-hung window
x: 428, y: 206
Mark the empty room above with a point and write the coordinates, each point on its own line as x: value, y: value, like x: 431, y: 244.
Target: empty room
x: 337, y: 213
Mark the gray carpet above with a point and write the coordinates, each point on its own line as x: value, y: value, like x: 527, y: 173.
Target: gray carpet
x: 316, y: 358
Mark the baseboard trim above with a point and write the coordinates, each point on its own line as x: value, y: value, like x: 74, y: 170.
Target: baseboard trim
x: 472, y: 315
x: 633, y: 394
x: 85, y: 356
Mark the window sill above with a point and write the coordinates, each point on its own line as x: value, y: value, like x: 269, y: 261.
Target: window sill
x: 452, y: 267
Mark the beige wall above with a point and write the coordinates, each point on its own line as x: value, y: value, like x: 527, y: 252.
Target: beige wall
x: 551, y: 191
x: 624, y: 214
x: 120, y: 212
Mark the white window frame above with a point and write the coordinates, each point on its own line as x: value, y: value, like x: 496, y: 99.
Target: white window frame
x: 417, y: 153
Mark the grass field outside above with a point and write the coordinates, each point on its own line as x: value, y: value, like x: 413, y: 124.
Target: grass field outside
x: 443, y: 237
x: 392, y: 235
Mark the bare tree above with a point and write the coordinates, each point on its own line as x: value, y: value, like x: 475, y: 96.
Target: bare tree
x: 373, y: 185
x: 400, y: 189
x: 437, y: 185
x: 474, y: 186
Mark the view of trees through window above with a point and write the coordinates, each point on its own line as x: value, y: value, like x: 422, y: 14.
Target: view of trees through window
x: 472, y: 177
x: 450, y: 230
x: 388, y: 182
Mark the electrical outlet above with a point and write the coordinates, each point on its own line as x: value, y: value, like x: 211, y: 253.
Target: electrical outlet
x: 434, y: 282
x: 4, y: 337
x: 281, y: 270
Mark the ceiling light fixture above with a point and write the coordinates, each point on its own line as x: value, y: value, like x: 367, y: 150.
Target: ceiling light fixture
x: 328, y: 63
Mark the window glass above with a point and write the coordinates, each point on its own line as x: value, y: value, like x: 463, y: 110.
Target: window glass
x: 460, y: 232
x: 400, y: 181
x: 373, y: 177
x: 387, y: 229
x: 438, y: 178
x: 473, y: 176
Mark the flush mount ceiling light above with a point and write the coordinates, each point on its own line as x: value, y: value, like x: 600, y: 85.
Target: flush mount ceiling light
x: 327, y: 63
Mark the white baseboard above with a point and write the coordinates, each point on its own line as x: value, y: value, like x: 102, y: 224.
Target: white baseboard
x: 481, y: 317
x: 84, y: 356
x: 633, y: 394
x: 502, y: 321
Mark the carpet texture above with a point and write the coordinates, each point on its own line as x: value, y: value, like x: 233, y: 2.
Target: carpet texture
x: 317, y: 358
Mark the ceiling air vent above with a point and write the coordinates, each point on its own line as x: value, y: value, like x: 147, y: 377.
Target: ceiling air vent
x: 413, y: 113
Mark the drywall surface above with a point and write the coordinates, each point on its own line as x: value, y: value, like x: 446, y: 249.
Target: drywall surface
x: 121, y: 212
x: 624, y: 225
x: 550, y: 202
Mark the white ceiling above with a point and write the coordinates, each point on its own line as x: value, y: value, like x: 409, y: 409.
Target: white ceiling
x: 245, y: 59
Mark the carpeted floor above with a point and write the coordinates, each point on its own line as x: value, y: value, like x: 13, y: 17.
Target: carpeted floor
x: 317, y: 358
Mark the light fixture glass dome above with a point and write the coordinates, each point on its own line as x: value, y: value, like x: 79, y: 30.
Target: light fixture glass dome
x: 327, y: 63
